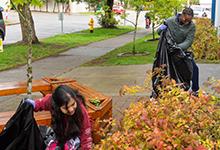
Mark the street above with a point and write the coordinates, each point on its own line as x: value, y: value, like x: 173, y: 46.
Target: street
x: 48, y: 24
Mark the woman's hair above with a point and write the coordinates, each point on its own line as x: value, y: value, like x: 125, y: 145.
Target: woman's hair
x: 65, y: 126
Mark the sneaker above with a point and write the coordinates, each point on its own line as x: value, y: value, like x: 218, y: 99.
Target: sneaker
x: 153, y: 95
x: 194, y: 93
x: 152, y: 99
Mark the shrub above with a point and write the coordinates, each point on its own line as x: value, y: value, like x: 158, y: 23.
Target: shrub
x: 175, y: 120
x: 106, y: 18
x: 206, y: 44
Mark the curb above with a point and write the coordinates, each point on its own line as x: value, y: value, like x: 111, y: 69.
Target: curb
x: 11, y: 23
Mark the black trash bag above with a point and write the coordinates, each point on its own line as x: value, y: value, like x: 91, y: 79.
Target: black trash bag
x: 21, y: 131
x: 161, y: 61
x: 173, y: 61
x: 182, y: 65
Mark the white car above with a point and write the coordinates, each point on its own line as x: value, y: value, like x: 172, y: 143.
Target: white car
x: 201, y: 12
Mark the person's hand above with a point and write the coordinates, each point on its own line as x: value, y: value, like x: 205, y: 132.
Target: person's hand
x: 163, y: 27
x: 30, y: 102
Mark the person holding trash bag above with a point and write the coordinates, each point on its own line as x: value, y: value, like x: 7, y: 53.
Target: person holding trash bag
x: 70, y: 120
x: 176, y: 36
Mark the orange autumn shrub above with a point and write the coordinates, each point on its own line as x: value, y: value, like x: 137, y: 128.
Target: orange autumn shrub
x: 174, y: 121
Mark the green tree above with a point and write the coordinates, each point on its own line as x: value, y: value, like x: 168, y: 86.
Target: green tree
x: 26, y: 19
x: 138, y: 6
x: 93, y: 4
x: 28, y: 33
x: 162, y: 9
x: 110, y: 4
x: 64, y: 3
x: 194, y: 2
x: 106, y: 17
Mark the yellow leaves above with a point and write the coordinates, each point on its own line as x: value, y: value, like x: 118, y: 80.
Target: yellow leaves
x: 130, y: 89
x: 181, y: 122
x: 205, y: 44
x: 147, y: 81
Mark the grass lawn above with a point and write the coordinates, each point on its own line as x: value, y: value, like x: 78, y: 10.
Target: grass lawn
x: 16, y: 54
x: 112, y: 57
x: 87, y: 13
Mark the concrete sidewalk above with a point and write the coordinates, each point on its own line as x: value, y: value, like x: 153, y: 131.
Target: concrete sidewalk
x: 109, y: 80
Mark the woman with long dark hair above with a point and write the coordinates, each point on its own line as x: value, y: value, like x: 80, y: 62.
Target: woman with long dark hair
x: 70, y: 120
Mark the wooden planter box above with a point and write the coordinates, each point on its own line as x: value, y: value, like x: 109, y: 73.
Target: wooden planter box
x: 47, y: 85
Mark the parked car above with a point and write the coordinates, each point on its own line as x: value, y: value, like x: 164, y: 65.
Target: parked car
x: 2, y: 25
x: 118, y: 9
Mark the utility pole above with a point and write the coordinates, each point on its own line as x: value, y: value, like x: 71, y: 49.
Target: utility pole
x: 61, y: 17
x: 213, y: 12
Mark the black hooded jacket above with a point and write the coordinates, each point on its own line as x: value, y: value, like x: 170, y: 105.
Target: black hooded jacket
x: 21, y: 131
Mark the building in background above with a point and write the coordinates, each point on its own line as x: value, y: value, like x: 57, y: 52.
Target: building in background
x: 206, y: 3
x: 4, y: 4
x: 71, y: 7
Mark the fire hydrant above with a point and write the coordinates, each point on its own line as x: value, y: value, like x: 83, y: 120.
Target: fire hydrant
x: 91, y: 25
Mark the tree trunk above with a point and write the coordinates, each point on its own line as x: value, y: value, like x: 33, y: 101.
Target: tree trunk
x: 153, y: 27
x: 110, y: 3
x: 25, y: 14
x: 135, y: 32
x: 58, y: 6
x: 63, y: 7
x: 46, y: 5
x: 54, y: 6
x: 28, y: 35
x: 108, y: 13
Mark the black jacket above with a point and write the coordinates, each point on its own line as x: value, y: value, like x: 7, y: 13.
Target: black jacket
x: 21, y: 131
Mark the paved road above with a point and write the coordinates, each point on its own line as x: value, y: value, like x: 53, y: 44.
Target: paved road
x: 47, y: 24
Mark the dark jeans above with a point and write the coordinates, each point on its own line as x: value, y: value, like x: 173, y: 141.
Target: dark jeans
x: 195, y: 77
